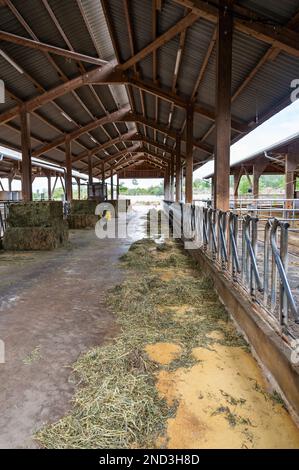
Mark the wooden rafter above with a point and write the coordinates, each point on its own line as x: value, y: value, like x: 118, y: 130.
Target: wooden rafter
x: 120, y: 113
x: 250, y: 23
x: 104, y: 75
x: 21, y: 41
x: 82, y: 69
x: 161, y: 40
x: 164, y: 130
x: 110, y: 143
x: 48, y: 56
x: 132, y: 49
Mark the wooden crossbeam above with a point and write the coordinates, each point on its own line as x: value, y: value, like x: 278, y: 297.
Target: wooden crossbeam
x: 180, y: 26
x: 146, y: 140
x: 112, y: 117
x: 250, y: 23
x: 183, y: 103
x: 41, y: 46
x: 104, y: 146
x: 103, y: 75
x: 109, y: 74
x: 133, y: 117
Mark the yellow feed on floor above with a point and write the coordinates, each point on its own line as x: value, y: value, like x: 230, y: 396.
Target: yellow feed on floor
x: 163, y: 353
x: 223, y: 400
x: 223, y: 403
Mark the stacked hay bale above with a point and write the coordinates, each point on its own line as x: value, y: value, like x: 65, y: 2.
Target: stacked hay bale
x: 35, y: 226
x: 82, y: 214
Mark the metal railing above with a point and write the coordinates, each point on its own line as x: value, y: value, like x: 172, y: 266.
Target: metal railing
x: 3, y: 217
x: 264, y: 208
x: 258, y: 266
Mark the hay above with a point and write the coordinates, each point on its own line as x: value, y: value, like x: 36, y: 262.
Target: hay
x: 35, y: 238
x: 82, y: 214
x: 117, y: 404
x: 34, y: 214
x: 81, y: 221
x: 83, y: 207
x: 35, y: 226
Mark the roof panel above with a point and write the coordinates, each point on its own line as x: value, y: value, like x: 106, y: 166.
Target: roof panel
x: 70, y: 19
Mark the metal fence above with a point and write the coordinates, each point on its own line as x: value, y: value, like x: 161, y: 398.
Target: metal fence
x: 3, y: 217
x: 257, y: 265
x: 284, y: 209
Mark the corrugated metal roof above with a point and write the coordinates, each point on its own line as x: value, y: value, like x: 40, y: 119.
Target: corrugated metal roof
x: 86, y: 29
x: 280, y: 11
x: 98, y: 27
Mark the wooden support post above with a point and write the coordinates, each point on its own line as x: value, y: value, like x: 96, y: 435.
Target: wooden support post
x: 90, y: 192
x: 237, y: 179
x: 90, y: 169
x: 10, y: 180
x: 79, y: 188
x: 26, y: 157
x: 258, y: 170
x: 223, y: 98
x: 167, y: 183
x: 292, y: 160
x: 212, y: 188
x: 111, y: 182
x: 171, y: 188
x: 68, y: 161
x: 189, y: 155
x: 117, y: 187
x: 103, y: 178
x: 255, y: 185
x: 178, y: 168
x: 49, y: 188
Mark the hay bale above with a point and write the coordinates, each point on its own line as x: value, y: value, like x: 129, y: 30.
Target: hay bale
x: 83, y: 207
x: 80, y: 221
x: 35, y: 214
x: 35, y: 238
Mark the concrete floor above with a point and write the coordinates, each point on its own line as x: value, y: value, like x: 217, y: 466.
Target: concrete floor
x: 52, y: 309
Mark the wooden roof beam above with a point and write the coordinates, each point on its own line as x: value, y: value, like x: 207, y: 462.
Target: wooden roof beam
x: 119, y: 154
x: 108, y: 75
x: 103, y: 75
x: 41, y: 46
x: 81, y: 65
x: 165, y: 130
x: 249, y: 22
x: 146, y: 140
x: 180, y: 102
x: 104, y: 146
x: 153, y: 154
x: 180, y: 26
x: 120, y: 113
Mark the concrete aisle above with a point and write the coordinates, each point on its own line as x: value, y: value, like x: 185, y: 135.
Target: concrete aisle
x: 51, y: 310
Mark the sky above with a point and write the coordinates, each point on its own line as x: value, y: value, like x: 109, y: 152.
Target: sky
x: 277, y: 128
